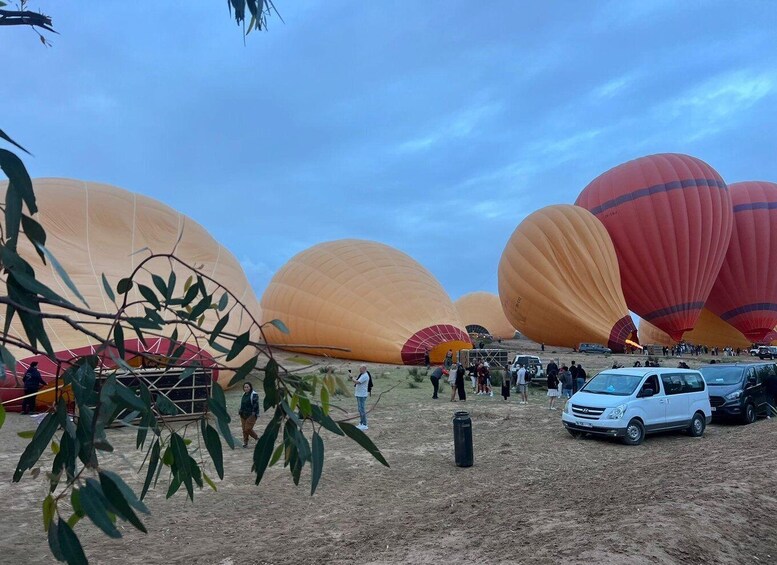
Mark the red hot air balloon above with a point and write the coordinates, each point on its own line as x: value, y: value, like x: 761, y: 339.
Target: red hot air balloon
x: 670, y: 219
x: 745, y: 293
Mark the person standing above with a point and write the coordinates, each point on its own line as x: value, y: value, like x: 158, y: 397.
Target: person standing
x: 448, y: 360
x: 460, y: 372
x: 522, y: 385
x: 435, y: 378
x: 566, y: 382
x: 452, y: 382
x: 473, y: 375
x: 552, y: 368
x: 361, y: 384
x: 505, y: 387
x: 553, y: 393
x: 580, y: 377
x: 426, y: 358
x: 573, y: 371
x: 249, y: 412
x: 32, y: 383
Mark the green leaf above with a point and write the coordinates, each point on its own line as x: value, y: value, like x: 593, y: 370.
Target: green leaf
x: 213, y: 445
x: 223, y: 301
x: 264, y: 448
x: 276, y: 455
x: 244, y: 370
x: 53, y: 537
x: 124, y: 286
x: 218, y: 328
x: 36, y: 234
x: 8, y: 359
x: 2, y: 415
x: 181, y: 462
x: 290, y: 413
x: 200, y: 308
x: 40, y: 441
x: 238, y: 345
x: 218, y: 405
x: 63, y: 275
x: 116, y: 496
x: 118, y: 338
x: 149, y: 295
x: 127, y: 398
x: 107, y: 288
x: 153, y: 461
x: 280, y: 326
x: 69, y: 545
x: 208, y: 480
x: 49, y: 508
x: 96, y: 508
x: 166, y: 406
x: 363, y: 440
x: 170, y: 285
x: 316, y: 462
x: 190, y: 295
x: 325, y: 400
x: 270, y: 385
x: 2, y: 133
x: 126, y: 491
x: 160, y: 285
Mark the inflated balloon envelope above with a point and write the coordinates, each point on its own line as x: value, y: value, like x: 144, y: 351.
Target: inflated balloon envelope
x: 373, y: 302
x: 95, y: 229
x: 670, y: 219
x: 710, y: 330
x: 559, y: 282
x: 745, y: 292
x: 483, y: 310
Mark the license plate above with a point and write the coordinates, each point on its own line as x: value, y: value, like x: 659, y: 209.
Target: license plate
x: 713, y: 408
x: 585, y: 424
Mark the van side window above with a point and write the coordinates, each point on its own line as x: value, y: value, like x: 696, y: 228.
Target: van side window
x: 692, y: 383
x: 652, y: 382
x: 673, y: 384
x: 764, y: 372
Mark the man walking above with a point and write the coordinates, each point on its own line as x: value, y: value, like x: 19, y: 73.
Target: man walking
x: 361, y: 384
x: 580, y: 378
x: 32, y: 383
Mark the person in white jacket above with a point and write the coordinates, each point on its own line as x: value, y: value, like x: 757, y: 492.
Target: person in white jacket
x: 361, y: 391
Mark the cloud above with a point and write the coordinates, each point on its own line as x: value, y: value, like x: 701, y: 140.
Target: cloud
x: 456, y: 126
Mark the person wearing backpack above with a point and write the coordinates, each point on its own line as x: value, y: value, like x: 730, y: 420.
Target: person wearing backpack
x: 249, y: 412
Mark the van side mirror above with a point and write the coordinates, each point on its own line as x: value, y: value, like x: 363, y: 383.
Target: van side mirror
x: 646, y: 392
x: 751, y: 380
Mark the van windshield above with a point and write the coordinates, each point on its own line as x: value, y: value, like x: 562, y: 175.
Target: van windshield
x: 613, y: 383
x: 721, y: 376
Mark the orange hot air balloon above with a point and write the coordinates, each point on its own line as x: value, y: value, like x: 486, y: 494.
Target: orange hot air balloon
x: 95, y: 229
x: 670, y: 219
x: 369, y: 298
x: 710, y: 330
x: 745, y: 292
x: 481, y: 312
x: 559, y: 282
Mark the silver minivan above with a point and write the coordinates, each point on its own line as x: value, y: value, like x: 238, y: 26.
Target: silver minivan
x: 629, y: 403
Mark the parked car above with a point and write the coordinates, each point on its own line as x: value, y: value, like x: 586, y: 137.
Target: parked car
x: 593, y: 348
x: 532, y: 363
x: 767, y: 352
x: 754, y: 351
x: 738, y: 391
x: 629, y: 403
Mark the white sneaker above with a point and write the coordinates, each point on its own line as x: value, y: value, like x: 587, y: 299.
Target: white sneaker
x: 491, y: 394
x: 361, y: 426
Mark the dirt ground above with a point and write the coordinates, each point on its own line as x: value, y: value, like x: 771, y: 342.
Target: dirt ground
x: 534, y: 495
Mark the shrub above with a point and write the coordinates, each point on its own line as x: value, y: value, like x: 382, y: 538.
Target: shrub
x: 496, y: 377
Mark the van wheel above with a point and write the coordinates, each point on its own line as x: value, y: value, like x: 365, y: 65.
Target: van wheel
x: 698, y: 423
x: 750, y: 416
x: 635, y: 433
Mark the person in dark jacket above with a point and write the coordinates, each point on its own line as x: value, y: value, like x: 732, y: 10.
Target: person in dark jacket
x: 249, y: 412
x: 435, y: 378
x: 580, y: 377
x: 32, y: 383
x: 460, y: 372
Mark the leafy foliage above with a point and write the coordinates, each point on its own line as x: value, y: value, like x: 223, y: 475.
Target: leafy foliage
x: 78, y: 484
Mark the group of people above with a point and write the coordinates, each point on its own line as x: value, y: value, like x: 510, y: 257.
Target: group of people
x: 564, y: 381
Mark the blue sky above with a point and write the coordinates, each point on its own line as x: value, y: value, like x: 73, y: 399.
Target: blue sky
x: 432, y: 126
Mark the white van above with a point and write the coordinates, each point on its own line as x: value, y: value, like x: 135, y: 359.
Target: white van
x: 628, y: 403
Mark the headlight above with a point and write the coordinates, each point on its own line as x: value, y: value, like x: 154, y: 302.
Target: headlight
x: 734, y: 395
x: 617, y: 412
x: 567, y: 408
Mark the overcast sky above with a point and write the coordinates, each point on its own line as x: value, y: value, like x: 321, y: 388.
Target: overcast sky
x: 431, y: 126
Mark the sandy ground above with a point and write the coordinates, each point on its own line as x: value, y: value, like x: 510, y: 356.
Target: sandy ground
x: 535, y: 495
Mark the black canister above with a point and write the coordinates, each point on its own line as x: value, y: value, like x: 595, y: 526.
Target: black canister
x: 462, y: 439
